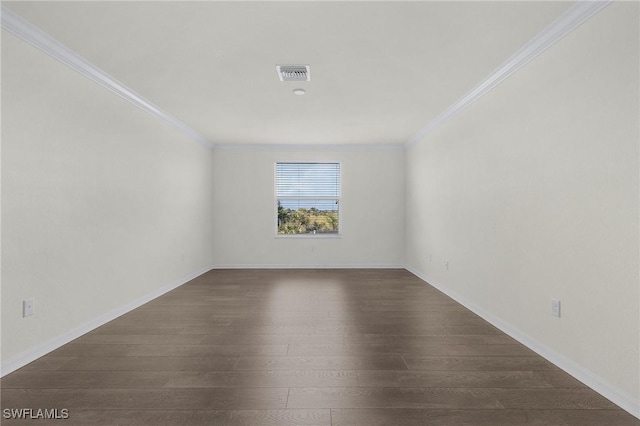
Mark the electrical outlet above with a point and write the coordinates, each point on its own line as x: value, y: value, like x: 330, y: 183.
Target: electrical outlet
x: 555, y: 308
x: 446, y: 265
x: 27, y: 308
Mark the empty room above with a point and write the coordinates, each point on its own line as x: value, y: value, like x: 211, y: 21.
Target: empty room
x: 320, y: 213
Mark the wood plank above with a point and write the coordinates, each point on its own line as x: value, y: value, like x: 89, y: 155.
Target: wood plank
x: 215, y: 321
x: 472, y: 399
x: 439, y: 417
x: 150, y: 363
x: 48, y: 362
x: 434, y: 307
x: 474, y: 363
x: 263, y: 329
x: 141, y: 317
x: 25, y: 379
x: 137, y: 329
x: 83, y: 417
x: 396, y: 340
x: 421, y: 417
x: 340, y: 349
x: 432, y: 349
x: 140, y: 339
x: 322, y: 363
x: 554, y: 398
x: 360, y: 320
x: 271, y: 339
x: 615, y: 417
x: 88, y: 350
x: 419, y: 330
x: 148, y: 399
x: 465, y: 379
x: 270, y: 378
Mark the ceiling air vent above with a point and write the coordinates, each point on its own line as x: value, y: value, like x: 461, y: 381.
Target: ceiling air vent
x: 293, y: 72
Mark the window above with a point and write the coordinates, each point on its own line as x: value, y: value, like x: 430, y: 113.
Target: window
x: 308, y: 198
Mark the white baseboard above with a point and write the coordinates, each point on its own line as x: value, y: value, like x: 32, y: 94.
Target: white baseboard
x: 595, y: 382
x: 310, y: 266
x: 36, y: 352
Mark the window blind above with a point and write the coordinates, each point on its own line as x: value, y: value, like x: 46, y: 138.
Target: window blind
x: 308, y: 180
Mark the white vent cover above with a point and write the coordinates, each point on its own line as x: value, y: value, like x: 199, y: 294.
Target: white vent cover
x: 294, y: 72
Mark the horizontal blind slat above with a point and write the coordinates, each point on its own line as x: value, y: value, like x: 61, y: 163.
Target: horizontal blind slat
x: 308, y: 179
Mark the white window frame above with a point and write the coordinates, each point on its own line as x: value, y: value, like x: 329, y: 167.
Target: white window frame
x: 276, y: 199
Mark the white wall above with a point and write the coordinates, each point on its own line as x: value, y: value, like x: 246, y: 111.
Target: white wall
x: 372, y: 209
x: 532, y: 194
x: 102, y: 204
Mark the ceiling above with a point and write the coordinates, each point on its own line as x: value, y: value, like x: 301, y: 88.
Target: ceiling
x: 380, y: 71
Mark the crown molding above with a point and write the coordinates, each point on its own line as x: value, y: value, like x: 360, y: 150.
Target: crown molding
x: 26, y: 31
x: 581, y: 11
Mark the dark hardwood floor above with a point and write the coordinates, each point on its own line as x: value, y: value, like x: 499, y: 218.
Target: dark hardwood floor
x: 303, y: 347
